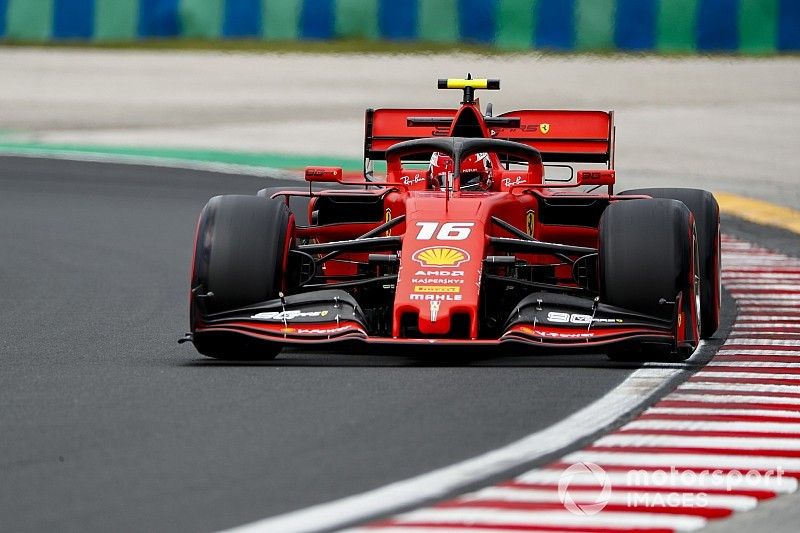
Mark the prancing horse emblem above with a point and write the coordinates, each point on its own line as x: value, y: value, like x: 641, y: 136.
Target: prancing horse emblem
x: 544, y: 128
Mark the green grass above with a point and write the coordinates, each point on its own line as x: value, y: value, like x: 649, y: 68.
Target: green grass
x: 255, y: 45
x: 339, y: 46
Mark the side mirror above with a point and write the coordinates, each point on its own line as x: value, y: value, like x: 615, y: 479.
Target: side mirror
x: 597, y: 177
x: 324, y: 174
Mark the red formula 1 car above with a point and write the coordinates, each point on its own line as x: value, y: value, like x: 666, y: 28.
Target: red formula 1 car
x: 480, y: 234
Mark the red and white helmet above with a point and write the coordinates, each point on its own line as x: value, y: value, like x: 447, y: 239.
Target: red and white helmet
x: 476, y: 171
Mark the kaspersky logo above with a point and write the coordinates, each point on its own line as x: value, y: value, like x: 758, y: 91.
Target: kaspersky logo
x: 440, y: 256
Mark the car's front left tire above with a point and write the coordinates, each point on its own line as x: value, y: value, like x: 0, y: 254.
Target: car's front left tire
x: 240, y: 256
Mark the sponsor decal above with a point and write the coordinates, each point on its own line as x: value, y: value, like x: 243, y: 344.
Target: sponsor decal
x: 508, y: 182
x: 408, y: 180
x: 323, y: 331
x: 440, y: 256
x: 576, y: 318
x: 437, y: 288
x: 556, y: 334
x: 288, y: 315
x: 387, y: 218
x: 434, y: 281
x: 434, y: 310
x: 434, y: 297
x: 544, y: 127
x: 442, y: 274
x: 529, y: 218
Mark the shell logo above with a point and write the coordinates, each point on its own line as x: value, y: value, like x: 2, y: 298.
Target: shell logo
x: 440, y: 256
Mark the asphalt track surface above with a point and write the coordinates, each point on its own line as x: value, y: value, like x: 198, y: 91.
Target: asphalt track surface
x: 108, y: 424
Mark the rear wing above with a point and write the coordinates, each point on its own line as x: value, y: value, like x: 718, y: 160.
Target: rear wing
x: 560, y: 136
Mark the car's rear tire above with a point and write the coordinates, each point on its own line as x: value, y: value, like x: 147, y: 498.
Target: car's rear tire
x: 644, y: 260
x: 239, y: 258
x: 705, y: 209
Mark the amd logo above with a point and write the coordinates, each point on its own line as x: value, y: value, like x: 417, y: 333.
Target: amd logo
x: 440, y: 273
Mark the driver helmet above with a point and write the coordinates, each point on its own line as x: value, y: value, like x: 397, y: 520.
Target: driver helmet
x: 476, y: 171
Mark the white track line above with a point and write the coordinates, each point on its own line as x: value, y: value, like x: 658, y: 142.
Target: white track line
x: 733, y: 388
x: 734, y: 398
x: 744, y: 324
x: 703, y: 425
x: 762, y: 278
x: 734, y: 287
x: 761, y: 342
x: 752, y: 364
x: 747, y: 309
x: 747, y: 330
x: 621, y: 440
x: 736, y: 351
x: 722, y: 411
x: 743, y: 376
x: 507, y: 494
x: 684, y: 460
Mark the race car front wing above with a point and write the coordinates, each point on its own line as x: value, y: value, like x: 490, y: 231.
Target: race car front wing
x: 542, y: 319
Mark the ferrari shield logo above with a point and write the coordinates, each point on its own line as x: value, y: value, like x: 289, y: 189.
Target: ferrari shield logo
x: 388, y: 218
x: 529, y: 223
x: 544, y: 128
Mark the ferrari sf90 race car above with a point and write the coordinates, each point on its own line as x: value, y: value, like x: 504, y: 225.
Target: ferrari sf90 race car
x: 477, y: 230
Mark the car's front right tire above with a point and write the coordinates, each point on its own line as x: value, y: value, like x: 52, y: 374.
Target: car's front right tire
x: 705, y: 209
x: 647, y: 257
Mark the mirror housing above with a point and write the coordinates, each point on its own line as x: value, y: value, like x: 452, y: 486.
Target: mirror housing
x: 597, y: 177
x: 323, y: 174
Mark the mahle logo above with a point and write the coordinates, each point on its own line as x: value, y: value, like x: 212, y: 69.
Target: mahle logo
x: 584, y: 503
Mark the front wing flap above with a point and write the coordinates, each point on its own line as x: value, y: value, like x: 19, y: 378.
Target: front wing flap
x: 318, y: 317
x: 559, y: 319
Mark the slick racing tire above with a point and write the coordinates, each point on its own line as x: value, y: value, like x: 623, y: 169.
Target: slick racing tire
x: 705, y: 209
x: 297, y: 204
x: 645, y: 259
x: 239, y: 258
